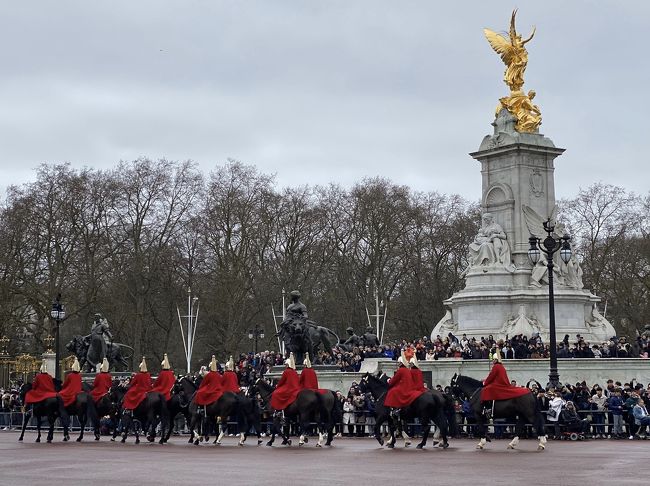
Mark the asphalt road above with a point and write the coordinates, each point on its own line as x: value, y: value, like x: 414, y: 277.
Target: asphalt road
x: 349, y: 461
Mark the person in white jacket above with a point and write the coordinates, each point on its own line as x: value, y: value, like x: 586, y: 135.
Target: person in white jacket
x: 554, y: 409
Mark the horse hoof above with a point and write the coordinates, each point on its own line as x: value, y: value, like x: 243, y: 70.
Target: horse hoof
x: 137, y: 441
x: 445, y: 445
x: 241, y: 444
x: 78, y: 439
x: 407, y: 444
x: 419, y: 446
x: 259, y: 441
x: 196, y: 442
x: 510, y: 446
x: 37, y: 440
x: 49, y: 441
x: 96, y: 437
x: 123, y: 441
x: 20, y: 439
x: 289, y: 442
x: 269, y: 444
x: 319, y: 445
x: 112, y: 439
x: 391, y: 446
x: 150, y: 439
x: 66, y: 439
x: 540, y: 447
x: 381, y: 441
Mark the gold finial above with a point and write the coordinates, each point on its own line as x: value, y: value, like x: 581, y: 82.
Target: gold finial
x: 514, y: 55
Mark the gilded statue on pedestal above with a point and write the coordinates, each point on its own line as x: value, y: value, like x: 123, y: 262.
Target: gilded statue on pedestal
x: 514, y: 55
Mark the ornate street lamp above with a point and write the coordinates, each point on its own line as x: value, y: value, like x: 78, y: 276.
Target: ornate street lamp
x: 58, y: 314
x: 257, y: 333
x: 549, y: 247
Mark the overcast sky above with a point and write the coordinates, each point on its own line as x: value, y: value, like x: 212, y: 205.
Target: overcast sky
x: 319, y: 91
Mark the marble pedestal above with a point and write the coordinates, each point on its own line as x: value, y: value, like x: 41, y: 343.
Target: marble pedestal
x: 500, y: 296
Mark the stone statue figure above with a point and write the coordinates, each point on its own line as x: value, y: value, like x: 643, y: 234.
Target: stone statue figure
x: 91, y: 349
x: 514, y: 55
x: 369, y: 338
x: 302, y: 335
x: 352, y: 341
x: 490, y: 246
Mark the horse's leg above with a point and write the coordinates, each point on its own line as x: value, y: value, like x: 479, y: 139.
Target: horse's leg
x: 378, y: 423
x: 519, y: 428
x: 391, y: 430
x: 116, y: 418
x: 27, y: 415
x: 405, y: 436
x: 440, y: 420
x: 274, y: 431
x: 426, y: 428
x: 303, y: 426
x: 83, y: 418
x: 481, y: 427
x: 127, y: 419
x: 51, y: 418
x: 537, y: 419
x: 221, y: 427
x: 38, y: 427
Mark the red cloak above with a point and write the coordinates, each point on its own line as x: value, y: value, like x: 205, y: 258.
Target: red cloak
x: 164, y: 383
x: 231, y: 382
x: 140, y: 386
x: 210, y: 390
x: 418, y: 380
x: 42, y: 389
x: 71, y: 387
x: 497, y: 385
x: 309, y: 380
x: 101, y: 385
x: 401, y: 392
x: 287, y: 390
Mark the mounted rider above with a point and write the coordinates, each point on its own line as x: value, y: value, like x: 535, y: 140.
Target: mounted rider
x: 42, y: 387
x: 416, y: 375
x: 165, y: 379
x: 139, y: 387
x: 401, y: 392
x: 497, y: 386
x: 230, y: 378
x: 308, y: 378
x: 103, y: 382
x: 211, y: 387
x: 288, y: 386
x: 72, y: 385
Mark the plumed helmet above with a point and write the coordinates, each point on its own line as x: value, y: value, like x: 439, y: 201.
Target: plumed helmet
x: 213, y: 363
x: 290, y: 361
x: 307, y: 361
x: 497, y: 356
x: 294, y: 293
x: 43, y: 367
x: 402, y: 360
x: 105, y: 366
x: 75, y: 365
x: 414, y: 362
x: 230, y: 364
x: 143, y: 365
x: 165, y: 363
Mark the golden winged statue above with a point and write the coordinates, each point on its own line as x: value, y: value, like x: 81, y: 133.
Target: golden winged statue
x: 514, y: 55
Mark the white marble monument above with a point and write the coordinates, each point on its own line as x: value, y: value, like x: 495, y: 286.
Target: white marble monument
x: 504, y: 293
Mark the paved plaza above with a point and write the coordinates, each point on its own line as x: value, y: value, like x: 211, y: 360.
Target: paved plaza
x: 350, y: 461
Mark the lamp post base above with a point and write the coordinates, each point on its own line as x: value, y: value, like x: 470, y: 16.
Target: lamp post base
x: 554, y: 379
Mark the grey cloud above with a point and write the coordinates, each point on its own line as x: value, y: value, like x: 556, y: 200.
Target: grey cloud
x: 318, y: 92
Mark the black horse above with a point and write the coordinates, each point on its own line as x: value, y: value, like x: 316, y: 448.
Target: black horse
x: 179, y: 403
x: 81, y: 408
x: 428, y: 407
x: 524, y: 409
x: 309, y: 406
x: 52, y: 408
x: 107, y: 405
x: 152, y: 410
x: 205, y: 417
